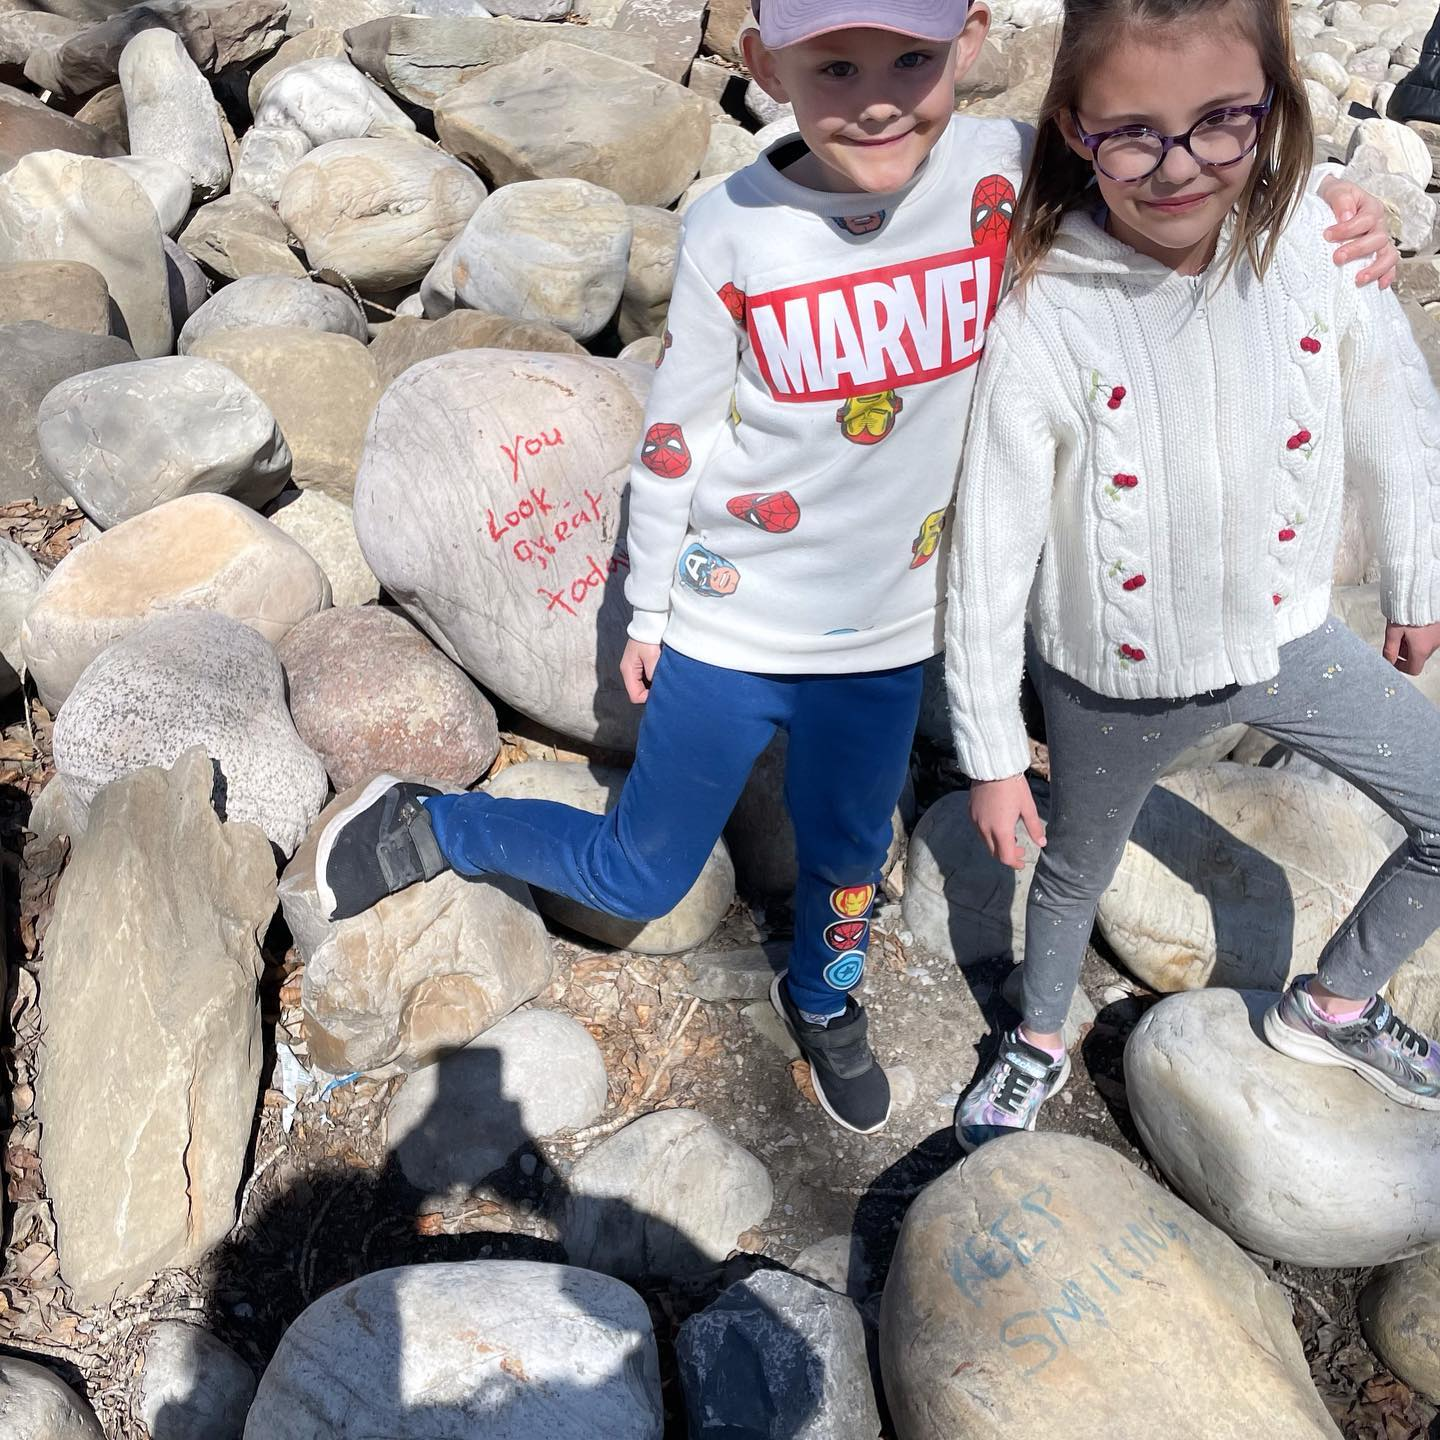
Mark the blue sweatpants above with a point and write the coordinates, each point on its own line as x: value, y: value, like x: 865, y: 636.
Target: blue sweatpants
x: 703, y: 728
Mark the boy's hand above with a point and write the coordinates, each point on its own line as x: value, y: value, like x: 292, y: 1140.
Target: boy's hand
x: 637, y: 669
x: 1362, y: 228
x: 996, y: 806
x: 1408, y: 647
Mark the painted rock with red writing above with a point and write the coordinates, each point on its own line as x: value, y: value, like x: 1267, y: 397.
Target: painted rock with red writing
x: 1047, y: 1283
x: 488, y: 502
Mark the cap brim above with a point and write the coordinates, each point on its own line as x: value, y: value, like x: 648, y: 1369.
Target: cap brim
x: 788, y: 22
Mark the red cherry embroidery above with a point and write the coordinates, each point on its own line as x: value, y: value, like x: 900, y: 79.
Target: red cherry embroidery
x: 1310, y: 345
x: 1131, y: 654
x: 1275, y: 599
x: 1116, y: 396
x: 1310, y: 341
x: 1287, y: 533
x: 1133, y: 583
x: 1126, y: 482
x: 1299, y: 439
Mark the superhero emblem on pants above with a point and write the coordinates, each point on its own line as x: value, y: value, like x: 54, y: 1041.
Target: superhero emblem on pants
x: 734, y: 299
x: 850, y: 902
x: 868, y: 419
x: 846, y: 935
x: 845, y: 973
x: 927, y: 542
x: 776, y: 512
x: 707, y: 573
x: 664, y: 450
x: 992, y: 207
x: 860, y: 224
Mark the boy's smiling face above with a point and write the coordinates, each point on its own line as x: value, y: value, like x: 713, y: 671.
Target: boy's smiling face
x: 870, y: 104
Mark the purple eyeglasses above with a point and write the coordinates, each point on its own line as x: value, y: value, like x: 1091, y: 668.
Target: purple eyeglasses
x: 1135, y: 152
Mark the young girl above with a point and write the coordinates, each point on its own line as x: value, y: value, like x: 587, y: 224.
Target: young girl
x: 1168, y: 409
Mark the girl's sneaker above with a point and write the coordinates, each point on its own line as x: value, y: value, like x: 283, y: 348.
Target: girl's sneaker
x: 850, y: 1083
x: 1377, y: 1045
x: 1008, y: 1093
x: 379, y: 843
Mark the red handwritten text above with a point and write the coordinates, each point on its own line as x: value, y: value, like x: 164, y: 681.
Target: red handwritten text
x: 530, y: 445
x: 582, y: 586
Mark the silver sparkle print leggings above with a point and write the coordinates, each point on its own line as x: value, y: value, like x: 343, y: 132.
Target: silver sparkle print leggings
x: 1336, y: 701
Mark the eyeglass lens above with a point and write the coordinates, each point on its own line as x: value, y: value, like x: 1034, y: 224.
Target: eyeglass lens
x: 1221, y: 140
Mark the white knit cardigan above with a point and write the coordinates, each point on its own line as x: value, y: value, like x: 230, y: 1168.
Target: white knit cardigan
x: 1179, y: 447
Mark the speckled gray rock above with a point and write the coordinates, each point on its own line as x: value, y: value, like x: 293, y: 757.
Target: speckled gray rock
x: 650, y: 271
x: 558, y: 114
x: 192, y: 1386
x: 326, y: 528
x: 551, y: 250
x: 193, y: 678
x: 1027, y: 1282
x: 533, y: 1075
x: 507, y: 1349
x: 1302, y: 1163
x: 166, y: 183
x: 776, y: 1355
x: 1400, y: 1315
x: 127, y: 438
x: 326, y: 98
x: 34, y: 358
x: 55, y: 206
x: 171, y: 112
x: 35, y: 1404
x: 201, y: 552
x: 152, y: 1019
x: 378, y: 211
x: 670, y: 1194
x: 268, y: 153
x: 596, y: 788
x: 418, y: 975
x: 370, y: 693
x: 275, y: 300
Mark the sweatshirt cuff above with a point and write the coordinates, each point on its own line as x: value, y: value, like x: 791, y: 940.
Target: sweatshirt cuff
x: 1410, y: 600
x: 647, y: 627
x: 995, y: 749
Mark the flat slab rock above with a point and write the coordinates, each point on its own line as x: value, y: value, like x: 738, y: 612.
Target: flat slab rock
x: 1302, y: 1163
x: 1045, y: 1282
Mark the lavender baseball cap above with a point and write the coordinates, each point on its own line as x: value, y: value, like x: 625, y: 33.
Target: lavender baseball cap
x: 787, y: 22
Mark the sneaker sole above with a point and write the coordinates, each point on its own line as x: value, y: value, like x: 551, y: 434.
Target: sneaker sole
x: 1059, y: 1085
x: 820, y: 1095
x: 1312, y: 1050
x: 363, y: 801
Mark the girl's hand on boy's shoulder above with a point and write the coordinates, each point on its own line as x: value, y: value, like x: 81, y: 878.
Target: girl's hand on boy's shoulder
x: 1408, y: 647
x: 1361, y: 228
x: 996, y: 807
x: 637, y: 669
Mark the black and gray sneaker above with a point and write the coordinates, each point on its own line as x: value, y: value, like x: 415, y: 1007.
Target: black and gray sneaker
x: 379, y: 843
x: 850, y: 1084
x: 1008, y: 1092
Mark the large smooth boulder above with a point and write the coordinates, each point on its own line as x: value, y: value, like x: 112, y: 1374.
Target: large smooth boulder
x: 321, y: 388
x: 649, y: 272
x: 326, y: 98
x: 378, y: 211
x: 369, y: 693
x: 168, y: 185
x: 550, y: 250
x: 596, y: 789
x: 65, y: 294
x: 325, y: 527
x: 670, y: 1194
x: 422, y: 59
x: 171, y: 112
x: 34, y: 358
x: 240, y: 235
x: 532, y: 606
x: 1302, y: 1163
x: 408, y: 340
x: 55, y: 206
x: 507, y: 1349
x: 28, y: 125
x: 453, y: 1123
x: 201, y: 552
x: 423, y: 972
x: 309, y: 44
x: 274, y: 301
x: 556, y: 113
x: 1046, y: 1282
x: 37, y: 1405
x: 776, y: 1355
x: 127, y: 438
x: 152, y: 1021
x: 1400, y: 1315
x: 191, y: 1386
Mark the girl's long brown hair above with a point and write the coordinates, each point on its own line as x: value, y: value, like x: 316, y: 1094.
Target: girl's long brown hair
x: 1058, y: 177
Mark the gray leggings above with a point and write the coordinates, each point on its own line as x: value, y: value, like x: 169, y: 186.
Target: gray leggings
x: 1336, y: 701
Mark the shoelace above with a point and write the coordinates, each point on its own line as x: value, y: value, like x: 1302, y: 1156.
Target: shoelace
x: 1012, y: 1089
x: 1406, y: 1037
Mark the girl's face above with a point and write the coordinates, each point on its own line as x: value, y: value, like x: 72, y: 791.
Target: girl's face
x: 1167, y: 80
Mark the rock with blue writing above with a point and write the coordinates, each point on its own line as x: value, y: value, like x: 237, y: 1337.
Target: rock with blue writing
x: 1302, y: 1163
x: 1027, y: 1292
x: 488, y: 502
x: 776, y: 1355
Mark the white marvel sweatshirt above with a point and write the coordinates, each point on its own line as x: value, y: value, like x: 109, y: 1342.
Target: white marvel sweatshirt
x: 805, y: 427
x: 1179, y: 447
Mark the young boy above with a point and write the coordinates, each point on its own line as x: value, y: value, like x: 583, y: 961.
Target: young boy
x: 787, y: 514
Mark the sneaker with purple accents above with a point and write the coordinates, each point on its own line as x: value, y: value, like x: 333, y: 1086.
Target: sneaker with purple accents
x: 1377, y: 1045
x: 1008, y: 1093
